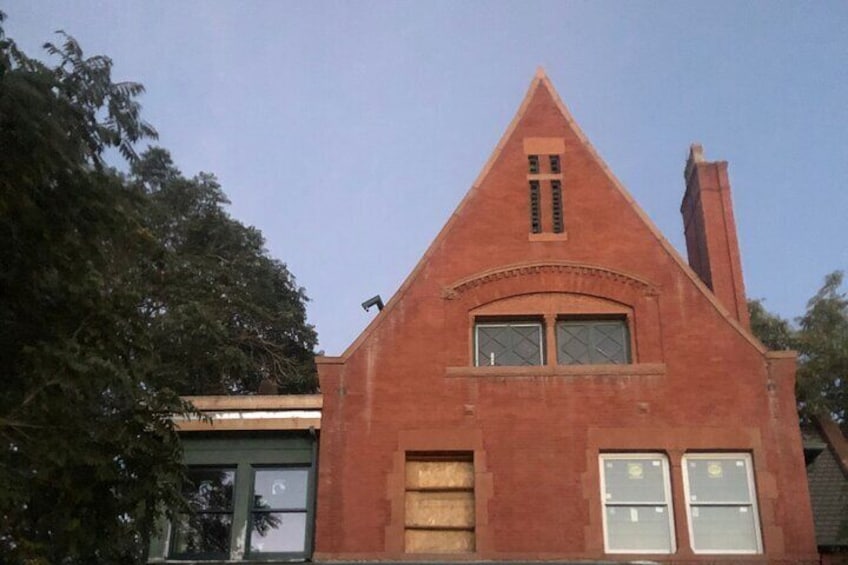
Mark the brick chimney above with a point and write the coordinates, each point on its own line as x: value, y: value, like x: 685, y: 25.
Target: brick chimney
x: 711, y: 232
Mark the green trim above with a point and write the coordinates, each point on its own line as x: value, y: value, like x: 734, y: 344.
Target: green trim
x: 244, y: 452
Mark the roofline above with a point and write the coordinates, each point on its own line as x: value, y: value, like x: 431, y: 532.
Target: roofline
x: 834, y: 438
x: 540, y: 73
x: 541, y: 78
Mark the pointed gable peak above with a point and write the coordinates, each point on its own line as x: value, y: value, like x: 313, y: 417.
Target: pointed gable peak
x: 532, y: 96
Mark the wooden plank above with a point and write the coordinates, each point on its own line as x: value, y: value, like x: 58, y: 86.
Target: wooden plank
x: 439, y: 541
x: 439, y: 474
x: 257, y: 402
x: 195, y: 425
x: 440, y: 509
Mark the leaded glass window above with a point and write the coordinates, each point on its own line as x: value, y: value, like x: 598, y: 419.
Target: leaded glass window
x: 636, y: 497
x: 509, y: 343
x: 721, y: 503
x: 590, y: 342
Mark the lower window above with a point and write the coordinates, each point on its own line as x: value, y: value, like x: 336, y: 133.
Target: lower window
x: 279, y: 510
x: 721, y: 503
x: 636, y: 499
x: 439, y: 503
x: 250, y: 498
x: 205, y: 533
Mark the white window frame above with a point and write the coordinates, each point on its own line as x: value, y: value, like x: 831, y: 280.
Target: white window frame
x: 517, y: 324
x: 752, y: 494
x: 668, y: 501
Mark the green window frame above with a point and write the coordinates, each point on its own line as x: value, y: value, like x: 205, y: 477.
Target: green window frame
x: 207, y: 532
x: 292, y: 455
x: 284, y: 510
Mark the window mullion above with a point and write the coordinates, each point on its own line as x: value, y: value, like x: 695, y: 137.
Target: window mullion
x: 241, y: 505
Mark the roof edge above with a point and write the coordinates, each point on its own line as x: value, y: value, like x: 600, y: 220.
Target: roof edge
x: 666, y: 245
x: 538, y: 79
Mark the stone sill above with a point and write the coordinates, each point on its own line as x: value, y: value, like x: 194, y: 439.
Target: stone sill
x: 567, y: 371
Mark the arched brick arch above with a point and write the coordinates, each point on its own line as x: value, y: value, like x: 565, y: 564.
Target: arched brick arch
x: 573, y: 278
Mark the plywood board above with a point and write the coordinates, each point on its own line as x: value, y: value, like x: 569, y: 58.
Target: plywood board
x: 440, y: 509
x: 439, y: 541
x: 439, y: 474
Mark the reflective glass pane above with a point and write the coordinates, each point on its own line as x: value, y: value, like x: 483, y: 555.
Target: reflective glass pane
x: 509, y: 345
x: 638, y: 528
x: 723, y: 479
x: 724, y: 528
x: 640, y: 480
x: 209, y: 489
x: 281, y: 488
x: 278, y: 532
x: 202, y: 534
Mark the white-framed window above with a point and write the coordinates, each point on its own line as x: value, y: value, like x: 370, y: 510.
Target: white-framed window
x: 510, y: 343
x: 721, y: 503
x: 636, y: 498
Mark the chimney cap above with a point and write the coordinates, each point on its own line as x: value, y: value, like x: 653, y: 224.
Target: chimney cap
x: 696, y: 155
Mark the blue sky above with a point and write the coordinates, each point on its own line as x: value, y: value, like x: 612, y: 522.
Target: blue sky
x: 348, y: 132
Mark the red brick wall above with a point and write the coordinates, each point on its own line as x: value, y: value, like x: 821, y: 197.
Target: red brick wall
x: 698, y: 380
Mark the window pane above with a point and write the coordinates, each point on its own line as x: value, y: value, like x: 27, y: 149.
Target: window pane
x: 280, y: 488
x: 209, y: 489
x: 638, y: 528
x: 592, y: 341
x: 573, y: 344
x: 634, y: 480
x: 278, y: 532
x: 723, y: 479
x: 724, y: 528
x: 509, y: 345
x: 202, y: 534
x: 610, y: 343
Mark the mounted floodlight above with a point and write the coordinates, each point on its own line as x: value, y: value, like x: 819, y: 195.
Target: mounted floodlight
x: 375, y: 301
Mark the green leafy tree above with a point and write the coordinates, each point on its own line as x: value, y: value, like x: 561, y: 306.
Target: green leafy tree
x: 821, y: 339
x: 775, y: 332
x: 224, y: 315
x: 116, y: 295
x: 823, y: 346
x: 87, y: 448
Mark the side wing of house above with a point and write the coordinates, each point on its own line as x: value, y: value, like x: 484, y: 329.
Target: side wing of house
x: 553, y: 381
